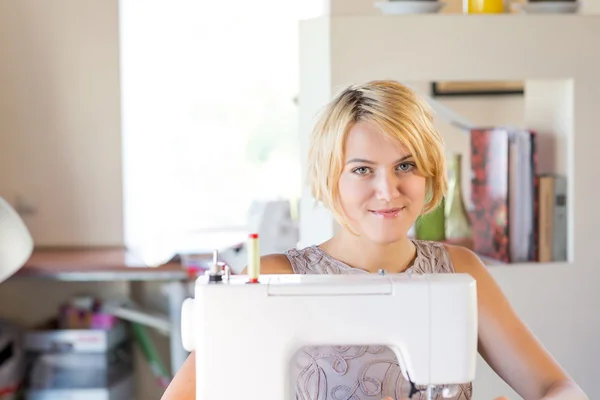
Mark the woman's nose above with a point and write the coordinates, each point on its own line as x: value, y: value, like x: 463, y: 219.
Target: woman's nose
x: 387, y: 187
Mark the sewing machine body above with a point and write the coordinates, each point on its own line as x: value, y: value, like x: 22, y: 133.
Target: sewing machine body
x: 245, y: 335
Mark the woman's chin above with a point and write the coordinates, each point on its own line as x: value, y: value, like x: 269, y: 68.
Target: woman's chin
x: 383, y: 232
x: 384, y: 238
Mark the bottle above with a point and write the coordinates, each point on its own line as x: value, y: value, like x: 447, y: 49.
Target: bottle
x: 458, y: 224
x: 432, y: 226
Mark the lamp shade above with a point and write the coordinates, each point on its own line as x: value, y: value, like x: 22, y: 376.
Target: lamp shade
x: 16, y: 243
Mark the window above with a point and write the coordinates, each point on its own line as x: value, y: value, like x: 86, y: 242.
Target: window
x: 209, y: 118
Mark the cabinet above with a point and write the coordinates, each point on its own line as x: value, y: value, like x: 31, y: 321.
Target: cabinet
x: 558, y: 59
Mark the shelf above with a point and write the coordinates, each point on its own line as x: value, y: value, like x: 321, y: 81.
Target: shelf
x: 493, y: 264
x: 94, y: 264
x: 455, y: 47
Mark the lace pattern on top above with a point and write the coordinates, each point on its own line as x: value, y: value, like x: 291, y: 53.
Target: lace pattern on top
x: 358, y: 372
x: 432, y: 257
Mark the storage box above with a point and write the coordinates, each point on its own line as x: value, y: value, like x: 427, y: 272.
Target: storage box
x: 79, y: 364
x: 50, y: 340
x: 123, y: 389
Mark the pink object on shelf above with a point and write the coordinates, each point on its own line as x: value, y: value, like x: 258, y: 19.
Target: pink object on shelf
x: 103, y: 321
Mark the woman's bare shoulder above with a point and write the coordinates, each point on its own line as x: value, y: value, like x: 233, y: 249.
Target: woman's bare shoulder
x: 464, y: 259
x: 274, y: 264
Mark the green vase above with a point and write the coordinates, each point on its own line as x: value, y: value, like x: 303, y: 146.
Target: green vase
x: 458, y: 224
x: 432, y: 226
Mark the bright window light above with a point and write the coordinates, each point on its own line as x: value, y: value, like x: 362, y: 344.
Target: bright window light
x: 210, y: 123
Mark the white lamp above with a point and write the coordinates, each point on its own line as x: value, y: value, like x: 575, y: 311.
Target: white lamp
x: 16, y: 243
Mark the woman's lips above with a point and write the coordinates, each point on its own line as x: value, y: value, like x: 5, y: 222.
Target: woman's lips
x: 387, y: 213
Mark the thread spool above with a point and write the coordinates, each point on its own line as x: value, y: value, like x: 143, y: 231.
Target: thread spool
x: 253, y: 258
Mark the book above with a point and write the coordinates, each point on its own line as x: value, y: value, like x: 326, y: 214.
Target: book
x: 552, y: 240
x: 503, y: 194
x: 522, y: 196
x: 559, y: 232
x: 489, y: 193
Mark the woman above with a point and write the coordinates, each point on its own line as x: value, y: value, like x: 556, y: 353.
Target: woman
x: 377, y: 163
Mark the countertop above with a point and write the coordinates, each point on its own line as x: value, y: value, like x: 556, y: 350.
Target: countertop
x: 94, y: 264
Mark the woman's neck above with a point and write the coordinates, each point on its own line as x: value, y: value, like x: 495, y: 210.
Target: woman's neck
x: 359, y: 252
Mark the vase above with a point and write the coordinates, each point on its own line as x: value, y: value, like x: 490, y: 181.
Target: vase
x: 431, y: 226
x: 458, y: 223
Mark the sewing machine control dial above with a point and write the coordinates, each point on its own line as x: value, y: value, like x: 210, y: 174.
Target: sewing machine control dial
x: 188, y: 329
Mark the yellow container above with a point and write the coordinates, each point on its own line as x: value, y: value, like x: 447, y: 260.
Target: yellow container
x: 484, y: 6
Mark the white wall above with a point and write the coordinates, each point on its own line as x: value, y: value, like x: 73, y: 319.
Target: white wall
x: 60, y: 142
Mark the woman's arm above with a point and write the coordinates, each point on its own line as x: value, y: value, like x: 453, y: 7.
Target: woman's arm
x: 183, y: 385
x: 565, y: 390
x: 507, y: 345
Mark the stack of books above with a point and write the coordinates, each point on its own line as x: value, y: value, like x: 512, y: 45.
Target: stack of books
x: 518, y: 214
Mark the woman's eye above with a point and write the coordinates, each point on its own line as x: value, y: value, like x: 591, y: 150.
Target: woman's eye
x: 361, y: 170
x: 405, y: 167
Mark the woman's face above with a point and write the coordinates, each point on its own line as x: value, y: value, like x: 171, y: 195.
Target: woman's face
x: 381, y: 191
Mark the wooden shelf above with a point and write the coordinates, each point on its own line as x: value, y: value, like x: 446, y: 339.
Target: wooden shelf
x: 94, y: 264
x: 456, y: 47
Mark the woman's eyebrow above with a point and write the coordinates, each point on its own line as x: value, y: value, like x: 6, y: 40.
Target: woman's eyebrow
x: 365, y: 161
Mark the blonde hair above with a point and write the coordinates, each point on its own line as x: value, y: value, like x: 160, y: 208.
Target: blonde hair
x: 400, y: 114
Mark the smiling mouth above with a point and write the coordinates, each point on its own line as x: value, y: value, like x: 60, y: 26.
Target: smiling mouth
x: 387, y: 213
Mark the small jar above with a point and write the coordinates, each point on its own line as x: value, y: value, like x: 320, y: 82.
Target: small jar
x: 483, y: 6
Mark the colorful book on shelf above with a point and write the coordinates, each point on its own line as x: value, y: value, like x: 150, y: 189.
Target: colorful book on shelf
x: 503, y: 194
x: 522, y: 196
x: 534, y: 244
x: 552, y: 239
x: 489, y: 193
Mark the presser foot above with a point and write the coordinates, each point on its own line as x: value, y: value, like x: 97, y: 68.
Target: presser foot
x: 431, y: 391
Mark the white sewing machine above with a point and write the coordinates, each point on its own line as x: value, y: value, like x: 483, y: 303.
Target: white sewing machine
x: 245, y: 334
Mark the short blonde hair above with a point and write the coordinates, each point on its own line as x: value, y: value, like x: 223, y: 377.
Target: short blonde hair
x: 400, y: 114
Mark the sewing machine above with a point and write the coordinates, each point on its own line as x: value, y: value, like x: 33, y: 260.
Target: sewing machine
x: 245, y: 334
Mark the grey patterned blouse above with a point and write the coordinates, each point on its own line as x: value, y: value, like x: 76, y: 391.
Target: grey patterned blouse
x: 359, y: 372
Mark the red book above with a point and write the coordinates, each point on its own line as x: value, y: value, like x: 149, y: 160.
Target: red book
x: 489, y: 192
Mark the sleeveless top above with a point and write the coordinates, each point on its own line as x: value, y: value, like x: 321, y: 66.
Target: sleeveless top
x: 360, y: 372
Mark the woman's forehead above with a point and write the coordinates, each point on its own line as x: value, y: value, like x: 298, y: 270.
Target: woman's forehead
x: 367, y: 140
